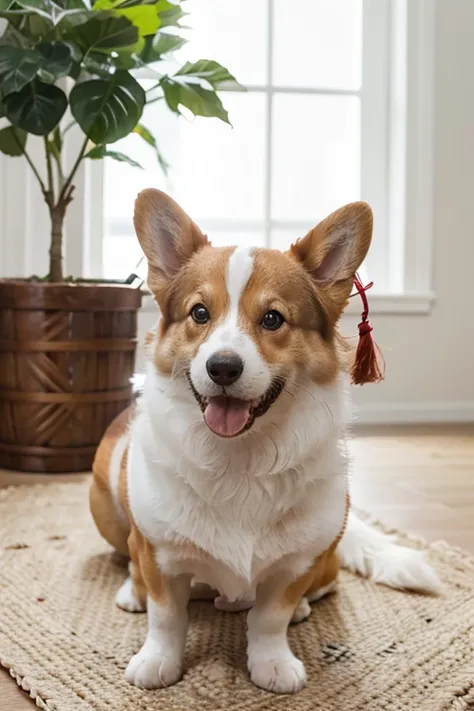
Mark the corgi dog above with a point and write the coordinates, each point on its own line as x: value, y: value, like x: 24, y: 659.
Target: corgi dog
x: 228, y: 478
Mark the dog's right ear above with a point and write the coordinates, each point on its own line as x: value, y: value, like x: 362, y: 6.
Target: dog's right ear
x: 167, y: 236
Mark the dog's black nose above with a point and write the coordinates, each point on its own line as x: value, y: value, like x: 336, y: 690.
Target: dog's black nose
x: 224, y: 367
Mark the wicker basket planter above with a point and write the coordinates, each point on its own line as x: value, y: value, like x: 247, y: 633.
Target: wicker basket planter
x: 67, y: 357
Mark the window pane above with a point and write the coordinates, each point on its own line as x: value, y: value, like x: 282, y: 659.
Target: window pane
x: 217, y: 171
x: 121, y: 181
x: 282, y: 237
x: 232, y: 33
x: 120, y: 255
x: 318, y: 43
x: 239, y: 238
x: 316, y: 155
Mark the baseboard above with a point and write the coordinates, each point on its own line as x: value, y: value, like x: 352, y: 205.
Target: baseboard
x: 399, y: 413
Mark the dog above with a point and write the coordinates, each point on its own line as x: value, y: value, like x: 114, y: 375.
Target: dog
x: 229, y: 477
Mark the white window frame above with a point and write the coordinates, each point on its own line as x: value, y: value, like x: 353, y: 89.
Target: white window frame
x: 410, y: 190
x: 406, y: 196
x: 374, y: 128
x: 397, y: 111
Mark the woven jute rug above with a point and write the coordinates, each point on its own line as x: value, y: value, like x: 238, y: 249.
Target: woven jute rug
x: 365, y: 648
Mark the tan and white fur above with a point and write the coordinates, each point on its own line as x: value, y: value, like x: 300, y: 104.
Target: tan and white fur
x: 240, y: 490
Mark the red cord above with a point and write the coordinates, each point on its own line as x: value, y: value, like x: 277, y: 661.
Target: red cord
x: 361, y: 289
x: 368, y: 366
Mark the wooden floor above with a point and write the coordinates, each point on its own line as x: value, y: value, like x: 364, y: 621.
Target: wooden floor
x: 415, y: 479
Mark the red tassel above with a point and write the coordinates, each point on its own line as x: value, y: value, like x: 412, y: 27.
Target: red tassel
x: 369, y: 365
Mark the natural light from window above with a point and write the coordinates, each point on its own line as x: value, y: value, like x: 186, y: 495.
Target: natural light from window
x: 294, y: 152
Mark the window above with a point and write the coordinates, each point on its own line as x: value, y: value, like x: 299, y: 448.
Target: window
x: 309, y: 135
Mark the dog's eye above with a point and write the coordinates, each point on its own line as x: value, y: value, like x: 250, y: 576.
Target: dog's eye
x: 200, y: 314
x: 272, y: 321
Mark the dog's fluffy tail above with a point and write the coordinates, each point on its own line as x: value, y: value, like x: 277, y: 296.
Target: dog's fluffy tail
x: 366, y: 551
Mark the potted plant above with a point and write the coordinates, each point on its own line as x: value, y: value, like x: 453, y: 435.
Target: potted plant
x: 67, y: 347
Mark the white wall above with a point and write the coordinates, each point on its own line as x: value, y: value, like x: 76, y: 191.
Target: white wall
x: 430, y: 357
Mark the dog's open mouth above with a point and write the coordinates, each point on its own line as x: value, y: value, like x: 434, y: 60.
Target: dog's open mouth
x: 229, y: 416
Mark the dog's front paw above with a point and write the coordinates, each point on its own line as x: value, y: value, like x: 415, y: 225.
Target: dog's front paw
x: 282, y: 676
x: 151, y: 670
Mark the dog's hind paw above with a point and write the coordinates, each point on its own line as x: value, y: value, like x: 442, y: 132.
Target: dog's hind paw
x: 302, y: 611
x: 126, y: 598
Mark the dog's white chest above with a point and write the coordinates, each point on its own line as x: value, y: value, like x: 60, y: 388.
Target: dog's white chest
x: 259, y: 525
x: 238, y: 559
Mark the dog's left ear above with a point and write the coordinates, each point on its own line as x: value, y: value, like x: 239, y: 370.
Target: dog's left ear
x: 167, y: 236
x: 333, y: 251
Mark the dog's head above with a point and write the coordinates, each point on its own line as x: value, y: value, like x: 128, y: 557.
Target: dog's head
x: 238, y: 323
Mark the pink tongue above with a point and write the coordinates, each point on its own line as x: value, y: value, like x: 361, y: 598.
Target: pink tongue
x: 226, y: 416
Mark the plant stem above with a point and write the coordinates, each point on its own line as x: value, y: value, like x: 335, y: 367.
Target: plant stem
x: 70, y: 125
x: 57, y: 212
x: 56, y: 245
x: 152, y: 88
x: 49, y: 167
x: 59, y: 168
x: 64, y: 192
x: 153, y: 101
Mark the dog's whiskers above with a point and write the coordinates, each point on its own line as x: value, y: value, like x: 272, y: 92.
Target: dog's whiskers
x: 179, y: 368
x: 301, y: 387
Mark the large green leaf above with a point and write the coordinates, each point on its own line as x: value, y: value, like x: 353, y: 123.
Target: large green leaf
x: 200, y: 101
x: 13, y: 38
x: 18, y: 66
x: 37, y: 108
x: 36, y: 26
x: 72, y: 4
x: 107, y: 110
x: 148, y: 54
x: 170, y: 14
x: 14, y: 17
x: 12, y: 141
x: 96, y: 63
x: 102, y: 151
x: 149, y: 138
x: 159, y: 45
x: 75, y: 70
x: 129, y: 58
x: 143, y: 16
x: 159, y: 5
x: 66, y: 23
x: 57, y: 58
x: 32, y: 24
x: 49, y: 11
x: 42, y: 7
x: 104, y: 33
x: 163, y: 43
x: 214, y: 73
